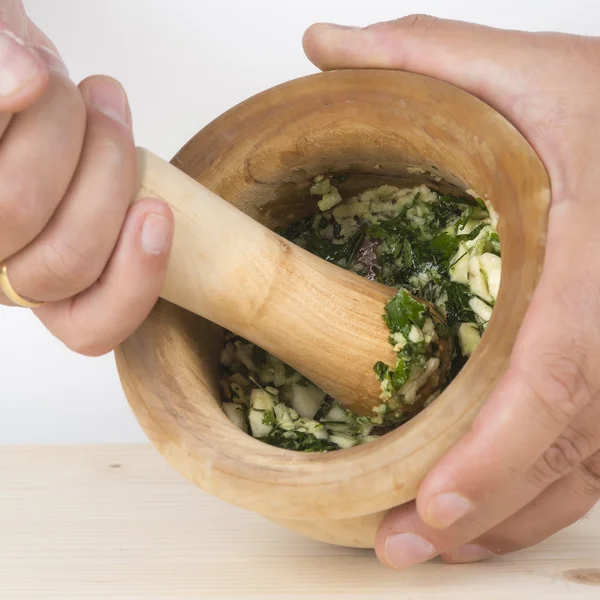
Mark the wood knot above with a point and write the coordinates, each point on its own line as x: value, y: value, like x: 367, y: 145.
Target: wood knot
x: 583, y: 576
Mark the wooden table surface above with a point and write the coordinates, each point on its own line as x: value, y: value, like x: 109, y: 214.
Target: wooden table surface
x: 117, y: 522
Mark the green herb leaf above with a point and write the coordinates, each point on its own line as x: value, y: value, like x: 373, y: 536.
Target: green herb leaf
x: 466, y: 216
x: 339, y: 254
x: 473, y: 234
x: 494, y: 244
x: 377, y: 232
x: 403, y: 311
x: 381, y: 369
x: 444, y: 246
x: 457, y: 305
x: 301, y: 442
x: 466, y: 201
x: 269, y: 418
x: 401, y: 372
x: 407, y: 254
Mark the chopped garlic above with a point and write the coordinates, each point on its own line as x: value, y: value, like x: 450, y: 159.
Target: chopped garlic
x: 399, y: 341
x: 459, y: 271
x: 415, y: 335
x: 236, y: 415
x: 481, y: 309
x: 477, y: 279
x: 260, y: 403
x: 469, y: 338
x: 492, y: 267
x: 417, y: 380
x: 329, y: 200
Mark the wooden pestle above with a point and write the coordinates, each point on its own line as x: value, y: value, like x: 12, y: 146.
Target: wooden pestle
x: 226, y: 267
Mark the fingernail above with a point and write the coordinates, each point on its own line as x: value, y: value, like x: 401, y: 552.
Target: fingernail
x: 18, y: 65
x: 156, y: 234
x: 445, y: 509
x: 108, y: 96
x: 471, y: 553
x: 52, y: 59
x: 406, y: 549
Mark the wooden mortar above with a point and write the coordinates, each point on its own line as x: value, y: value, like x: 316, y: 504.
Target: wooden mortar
x: 367, y: 127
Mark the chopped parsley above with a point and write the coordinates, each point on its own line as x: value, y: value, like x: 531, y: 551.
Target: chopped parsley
x: 442, y: 252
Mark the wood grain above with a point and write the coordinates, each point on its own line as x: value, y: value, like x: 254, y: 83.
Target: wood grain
x: 117, y: 522
x: 373, y: 127
x: 228, y: 268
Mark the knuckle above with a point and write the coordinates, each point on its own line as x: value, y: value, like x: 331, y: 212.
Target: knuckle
x: 103, y: 127
x: 112, y: 151
x: 20, y: 210
x: 26, y: 202
x: 71, y: 268
x: 112, y: 148
x: 563, y: 386
x: 565, y: 454
x: 590, y: 480
x: 417, y: 23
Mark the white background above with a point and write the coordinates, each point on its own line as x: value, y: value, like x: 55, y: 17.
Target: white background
x: 183, y: 62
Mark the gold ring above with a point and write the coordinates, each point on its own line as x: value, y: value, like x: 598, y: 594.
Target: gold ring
x: 11, y: 294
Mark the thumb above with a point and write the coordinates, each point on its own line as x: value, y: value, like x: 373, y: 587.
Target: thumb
x: 493, y: 64
x: 23, y: 72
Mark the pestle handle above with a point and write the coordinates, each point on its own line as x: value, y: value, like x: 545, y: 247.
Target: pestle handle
x: 228, y: 268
